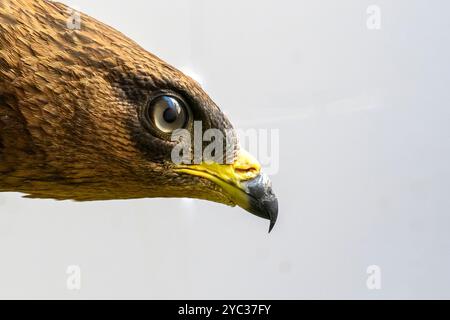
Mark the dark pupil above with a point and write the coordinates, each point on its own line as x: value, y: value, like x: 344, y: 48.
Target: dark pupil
x: 171, y: 112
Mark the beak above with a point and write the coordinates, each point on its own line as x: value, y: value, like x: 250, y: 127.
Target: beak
x: 242, y: 182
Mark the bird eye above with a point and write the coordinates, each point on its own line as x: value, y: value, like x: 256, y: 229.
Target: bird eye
x: 167, y: 113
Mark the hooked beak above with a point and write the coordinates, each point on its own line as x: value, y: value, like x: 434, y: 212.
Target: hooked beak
x: 242, y: 182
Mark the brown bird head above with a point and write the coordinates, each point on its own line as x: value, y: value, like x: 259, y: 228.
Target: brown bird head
x: 89, y: 115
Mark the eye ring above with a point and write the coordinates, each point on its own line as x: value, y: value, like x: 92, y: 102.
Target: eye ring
x: 165, y: 112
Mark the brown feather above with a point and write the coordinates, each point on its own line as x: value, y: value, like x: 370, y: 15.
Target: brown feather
x: 68, y: 122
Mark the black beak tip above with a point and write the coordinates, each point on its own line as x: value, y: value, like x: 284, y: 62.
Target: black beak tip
x: 272, y: 209
x: 263, y: 202
x: 272, y: 224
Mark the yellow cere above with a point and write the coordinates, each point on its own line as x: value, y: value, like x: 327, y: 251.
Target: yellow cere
x: 228, y: 176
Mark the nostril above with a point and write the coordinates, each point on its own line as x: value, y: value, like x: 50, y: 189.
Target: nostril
x: 249, y: 170
x: 246, y: 166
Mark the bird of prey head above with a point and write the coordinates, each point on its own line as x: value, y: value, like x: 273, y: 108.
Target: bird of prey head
x: 88, y: 115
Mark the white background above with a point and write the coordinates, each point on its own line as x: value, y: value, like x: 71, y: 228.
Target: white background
x: 364, y: 174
